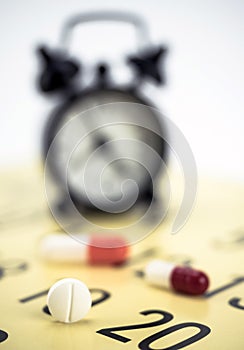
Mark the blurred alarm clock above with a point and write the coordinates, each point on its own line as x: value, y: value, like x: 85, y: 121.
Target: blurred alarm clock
x: 106, y: 139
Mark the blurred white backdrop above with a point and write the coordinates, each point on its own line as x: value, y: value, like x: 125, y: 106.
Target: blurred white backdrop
x: 204, y: 70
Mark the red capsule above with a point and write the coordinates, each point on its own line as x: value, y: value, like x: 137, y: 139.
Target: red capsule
x: 179, y: 278
x: 96, y: 249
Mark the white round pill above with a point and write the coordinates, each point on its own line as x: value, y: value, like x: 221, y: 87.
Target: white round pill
x: 69, y: 300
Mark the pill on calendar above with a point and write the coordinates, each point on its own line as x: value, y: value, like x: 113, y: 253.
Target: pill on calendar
x: 96, y: 249
x: 179, y: 278
x: 69, y: 300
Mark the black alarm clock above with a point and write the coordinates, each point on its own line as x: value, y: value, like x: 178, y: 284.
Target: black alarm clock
x: 105, y: 142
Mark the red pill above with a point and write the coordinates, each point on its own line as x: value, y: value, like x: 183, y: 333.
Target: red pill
x: 179, y: 278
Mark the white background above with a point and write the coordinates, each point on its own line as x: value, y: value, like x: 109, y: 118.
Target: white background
x: 204, y: 93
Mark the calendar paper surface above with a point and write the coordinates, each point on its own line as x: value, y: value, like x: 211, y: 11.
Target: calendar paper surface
x: 126, y: 313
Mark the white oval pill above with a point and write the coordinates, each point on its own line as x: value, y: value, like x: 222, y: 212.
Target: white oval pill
x: 69, y: 300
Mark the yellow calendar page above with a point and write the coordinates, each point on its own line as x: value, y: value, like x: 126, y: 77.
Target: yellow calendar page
x: 126, y: 313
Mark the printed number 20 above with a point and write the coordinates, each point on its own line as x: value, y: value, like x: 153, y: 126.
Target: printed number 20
x: 145, y: 343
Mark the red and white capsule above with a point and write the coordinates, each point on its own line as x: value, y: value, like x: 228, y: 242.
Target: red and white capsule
x: 96, y: 249
x: 179, y: 278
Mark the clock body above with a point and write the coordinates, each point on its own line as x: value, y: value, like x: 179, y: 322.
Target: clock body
x: 106, y: 147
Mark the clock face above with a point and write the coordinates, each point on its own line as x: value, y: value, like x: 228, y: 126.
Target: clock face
x: 106, y: 148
